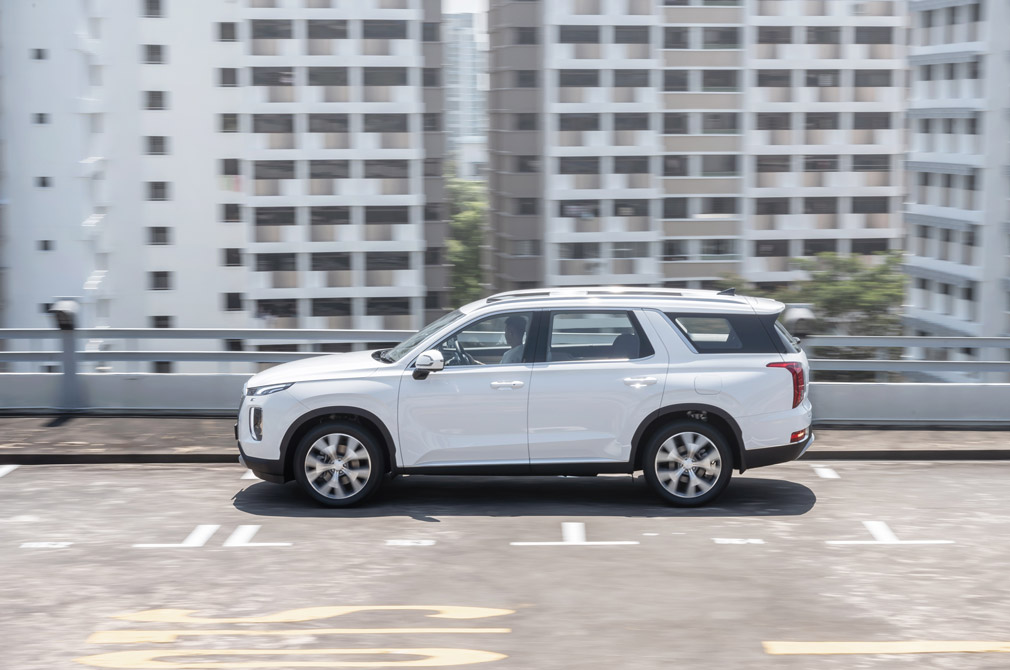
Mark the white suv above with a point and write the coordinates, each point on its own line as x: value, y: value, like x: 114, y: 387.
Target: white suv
x: 684, y: 385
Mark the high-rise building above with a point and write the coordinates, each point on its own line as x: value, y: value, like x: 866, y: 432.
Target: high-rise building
x: 958, y: 176
x: 643, y: 142
x: 465, y: 92
x: 262, y: 163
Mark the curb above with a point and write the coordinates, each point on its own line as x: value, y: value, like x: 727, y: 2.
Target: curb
x: 196, y: 459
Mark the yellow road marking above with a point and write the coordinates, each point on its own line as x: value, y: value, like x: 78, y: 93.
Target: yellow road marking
x: 903, y: 647
x: 155, y: 636
x: 147, y: 659
x: 313, y: 613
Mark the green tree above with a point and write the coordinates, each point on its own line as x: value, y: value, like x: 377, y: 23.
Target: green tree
x: 466, y: 238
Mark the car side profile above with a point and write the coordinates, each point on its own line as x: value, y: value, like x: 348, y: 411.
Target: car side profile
x: 684, y: 385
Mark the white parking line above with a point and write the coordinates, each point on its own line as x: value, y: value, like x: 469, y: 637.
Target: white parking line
x: 197, y: 538
x: 882, y: 534
x: 409, y: 543
x: 45, y: 545
x: 825, y: 472
x: 737, y: 540
x: 243, y: 534
x: 572, y: 534
x: 7, y: 469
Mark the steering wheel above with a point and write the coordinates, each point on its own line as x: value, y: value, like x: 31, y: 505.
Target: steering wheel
x: 454, y: 353
x: 464, y: 358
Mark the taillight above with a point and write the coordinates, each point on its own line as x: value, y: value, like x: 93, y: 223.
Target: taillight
x: 796, y: 369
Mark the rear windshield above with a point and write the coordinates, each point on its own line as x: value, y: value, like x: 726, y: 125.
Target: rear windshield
x: 727, y: 333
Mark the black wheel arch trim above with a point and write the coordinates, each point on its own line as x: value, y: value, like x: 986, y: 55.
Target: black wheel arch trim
x: 636, y: 441
x: 351, y: 411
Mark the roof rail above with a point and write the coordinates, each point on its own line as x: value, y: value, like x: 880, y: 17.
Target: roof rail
x: 607, y: 292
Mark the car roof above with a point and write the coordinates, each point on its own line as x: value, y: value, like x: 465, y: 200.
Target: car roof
x: 688, y: 300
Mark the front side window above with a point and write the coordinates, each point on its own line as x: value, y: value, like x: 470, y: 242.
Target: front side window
x: 503, y: 339
x: 596, y: 336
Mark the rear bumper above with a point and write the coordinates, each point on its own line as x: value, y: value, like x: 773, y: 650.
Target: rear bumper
x: 759, y: 458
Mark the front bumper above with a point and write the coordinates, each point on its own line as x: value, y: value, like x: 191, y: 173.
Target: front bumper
x: 759, y: 458
x: 264, y: 468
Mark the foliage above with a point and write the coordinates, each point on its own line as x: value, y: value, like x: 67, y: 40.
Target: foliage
x: 466, y: 238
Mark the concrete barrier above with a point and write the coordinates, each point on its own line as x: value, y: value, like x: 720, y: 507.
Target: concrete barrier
x: 914, y: 405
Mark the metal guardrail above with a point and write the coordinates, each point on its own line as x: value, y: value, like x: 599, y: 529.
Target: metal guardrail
x: 905, y: 364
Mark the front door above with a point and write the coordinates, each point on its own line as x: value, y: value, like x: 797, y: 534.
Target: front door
x: 473, y: 412
x: 601, y: 377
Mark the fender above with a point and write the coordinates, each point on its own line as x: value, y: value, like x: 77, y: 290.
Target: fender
x: 690, y: 407
x: 352, y: 411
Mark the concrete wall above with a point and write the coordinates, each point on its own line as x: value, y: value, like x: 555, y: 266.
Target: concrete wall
x: 835, y: 403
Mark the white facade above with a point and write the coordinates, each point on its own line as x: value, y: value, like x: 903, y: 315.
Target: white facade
x: 721, y: 137
x: 958, y: 177
x: 280, y: 160
x: 465, y: 80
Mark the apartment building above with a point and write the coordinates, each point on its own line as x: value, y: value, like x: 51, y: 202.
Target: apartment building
x: 676, y: 141
x: 465, y: 92
x: 222, y: 163
x: 958, y: 211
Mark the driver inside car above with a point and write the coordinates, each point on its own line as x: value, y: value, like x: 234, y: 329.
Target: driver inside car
x: 515, y: 329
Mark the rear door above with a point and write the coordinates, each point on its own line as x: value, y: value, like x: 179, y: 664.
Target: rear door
x: 598, y: 374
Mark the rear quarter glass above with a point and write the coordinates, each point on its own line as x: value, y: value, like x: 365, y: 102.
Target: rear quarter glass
x: 727, y: 333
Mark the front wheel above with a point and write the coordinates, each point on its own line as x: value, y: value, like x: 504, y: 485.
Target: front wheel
x: 688, y: 463
x: 339, y: 464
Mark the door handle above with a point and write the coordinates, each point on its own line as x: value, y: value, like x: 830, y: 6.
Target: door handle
x: 639, y: 382
x: 507, y: 385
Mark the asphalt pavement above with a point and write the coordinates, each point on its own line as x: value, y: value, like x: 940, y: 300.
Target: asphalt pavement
x: 802, y: 566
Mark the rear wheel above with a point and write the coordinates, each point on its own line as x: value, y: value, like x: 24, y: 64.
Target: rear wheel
x: 688, y: 463
x: 339, y: 464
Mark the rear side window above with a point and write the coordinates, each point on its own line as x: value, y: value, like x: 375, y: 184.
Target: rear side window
x: 596, y: 336
x: 726, y: 333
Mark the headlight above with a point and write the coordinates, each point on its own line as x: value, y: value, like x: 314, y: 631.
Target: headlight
x: 267, y: 390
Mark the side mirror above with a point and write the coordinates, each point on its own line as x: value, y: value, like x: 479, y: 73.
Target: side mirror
x: 428, y: 362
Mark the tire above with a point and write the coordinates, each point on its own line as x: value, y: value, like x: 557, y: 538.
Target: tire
x: 702, y: 449
x: 326, y: 476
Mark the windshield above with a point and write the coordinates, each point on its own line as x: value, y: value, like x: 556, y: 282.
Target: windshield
x: 403, y: 348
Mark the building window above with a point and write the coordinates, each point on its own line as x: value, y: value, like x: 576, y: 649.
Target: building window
x: 874, y: 35
x: 227, y: 32
x: 773, y: 163
x: 675, y: 166
x: 43, y: 182
x: 775, y: 35
x: 774, y: 78
x: 161, y: 322
x: 631, y: 35
x: 155, y: 100
x: 275, y: 263
x: 230, y: 167
x: 579, y: 78
x: 527, y: 163
x: 431, y: 77
x: 41, y: 118
x: 675, y: 80
x: 157, y: 190
x: 580, y: 121
x: 231, y: 213
x: 233, y: 302
x: 878, y: 78
x: 720, y: 123
x: 327, y: 29
x: 384, y: 29
x: 157, y: 145
x: 430, y: 32
x: 579, y: 34
x: 228, y: 123
x: 869, y: 246
x: 227, y: 76
x: 631, y: 121
x: 774, y: 121
x: 431, y: 122
x: 820, y: 163
x: 631, y: 78
x: 821, y: 121
x: 46, y: 245
x: 39, y: 54
x: 376, y: 76
x: 631, y: 208
x: 719, y: 206
x: 871, y: 120
x: 154, y: 54
x: 674, y: 123
x: 871, y: 163
x: 823, y: 35
x: 525, y: 121
x: 771, y: 248
x: 527, y: 207
x: 161, y: 367
x: 675, y: 38
x: 823, y: 78
x: 579, y: 209
x: 276, y: 308
x: 870, y: 205
x: 331, y: 307
x: 432, y: 167
x: 631, y: 165
x: 675, y: 250
x: 526, y: 78
x: 719, y: 81
x: 385, y: 123
x: 772, y: 206
x: 820, y: 205
x: 720, y: 38
x: 158, y: 235
x: 232, y: 258
x: 526, y: 35
x: 579, y: 165
x: 674, y: 208
x: 159, y: 281
x: 271, y: 29
x: 330, y: 215
x: 719, y: 165
x: 152, y: 9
